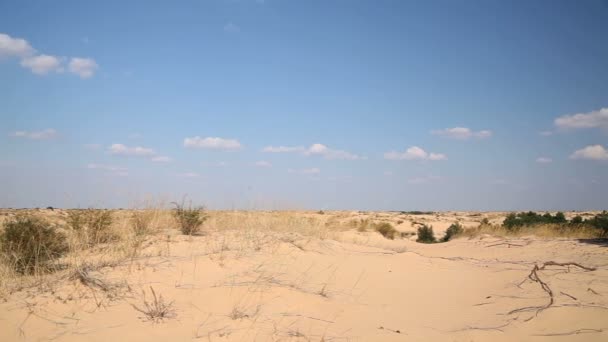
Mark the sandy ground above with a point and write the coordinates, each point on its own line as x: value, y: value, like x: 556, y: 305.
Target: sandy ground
x: 261, y: 281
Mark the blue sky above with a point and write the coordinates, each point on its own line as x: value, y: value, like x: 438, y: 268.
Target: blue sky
x: 276, y: 104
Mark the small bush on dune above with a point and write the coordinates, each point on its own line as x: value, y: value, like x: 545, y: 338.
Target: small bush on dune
x: 29, y: 244
x: 426, y: 234
x: 93, y: 226
x: 599, y: 221
x: 387, y: 230
x: 189, y: 219
x: 453, y: 230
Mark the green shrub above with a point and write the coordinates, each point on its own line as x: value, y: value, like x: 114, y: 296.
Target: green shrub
x: 29, y: 244
x: 189, y: 219
x: 92, y: 225
x: 576, y: 220
x: 600, y: 221
x: 485, y: 221
x: 426, y: 234
x: 387, y: 230
x: 514, y: 221
x: 453, y: 230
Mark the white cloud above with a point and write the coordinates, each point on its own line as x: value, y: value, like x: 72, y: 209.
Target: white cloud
x: 462, y: 133
x: 42, y: 64
x: 328, y: 153
x: 594, y: 119
x: 14, y: 47
x: 282, y: 149
x: 262, y: 163
x: 83, y: 67
x: 544, y: 160
x: 46, y: 134
x: 212, y: 143
x: 122, y: 150
x: 161, y: 159
x: 414, y: 153
x: 592, y: 152
x: 314, y: 149
x: 231, y: 28
x: 311, y: 171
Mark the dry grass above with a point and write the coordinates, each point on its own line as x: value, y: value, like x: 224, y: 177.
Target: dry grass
x: 156, y: 309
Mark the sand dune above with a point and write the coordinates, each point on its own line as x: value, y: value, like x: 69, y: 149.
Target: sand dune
x: 302, y: 276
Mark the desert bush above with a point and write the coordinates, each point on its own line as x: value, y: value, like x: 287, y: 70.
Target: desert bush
x: 189, y: 219
x: 426, y: 234
x: 485, y: 221
x: 453, y: 230
x: 576, y: 220
x: 28, y: 244
x: 92, y: 226
x: 387, y: 230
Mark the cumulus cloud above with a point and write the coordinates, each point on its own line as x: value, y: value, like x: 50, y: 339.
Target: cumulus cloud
x: 262, y: 163
x: 311, y: 171
x: 14, y: 47
x: 592, y: 152
x: 46, y: 134
x: 83, y: 67
x: 329, y: 153
x: 594, y: 119
x: 544, y: 160
x: 314, y: 150
x: 462, y: 133
x: 122, y: 150
x: 212, y: 143
x: 414, y: 153
x: 42, y: 64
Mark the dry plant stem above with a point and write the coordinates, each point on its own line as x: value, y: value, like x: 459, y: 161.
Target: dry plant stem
x: 536, y: 278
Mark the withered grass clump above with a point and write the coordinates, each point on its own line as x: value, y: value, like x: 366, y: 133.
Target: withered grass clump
x: 29, y: 244
x: 92, y: 226
x: 189, y: 219
x: 387, y: 230
x: 156, y: 309
x: 141, y: 222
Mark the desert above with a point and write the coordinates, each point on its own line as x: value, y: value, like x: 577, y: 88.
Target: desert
x: 309, y: 276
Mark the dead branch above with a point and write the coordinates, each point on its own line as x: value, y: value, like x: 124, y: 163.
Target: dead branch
x: 575, y: 332
x: 533, y: 276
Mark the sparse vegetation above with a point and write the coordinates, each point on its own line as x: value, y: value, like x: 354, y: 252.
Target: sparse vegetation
x: 387, y: 230
x: 417, y: 212
x: 189, y: 219
x: 453, y: 230
x: 157, y: 309
x: 141, y: 223
x: 514, y: 221
x: 426, y: 234
x: 29, y: 244
x: 92, y: 226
